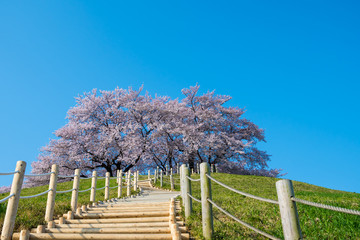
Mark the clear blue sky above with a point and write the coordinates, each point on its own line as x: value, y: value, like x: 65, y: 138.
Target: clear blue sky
x: 294, y: 65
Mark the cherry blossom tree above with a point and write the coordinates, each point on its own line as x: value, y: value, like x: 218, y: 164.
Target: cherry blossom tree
x: 214, y: 133
x: 124, y: 129
x: 103, y: 132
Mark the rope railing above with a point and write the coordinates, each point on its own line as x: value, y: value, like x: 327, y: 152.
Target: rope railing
x: 38, y: 175
x: 86, y: 178
x: 37, y: 195
x: 242, y: 222
x: 100, y: 188
x: 206, y: 202
x: 324, y: 206
x: 66, y: 191
x: 194, y: 198
x: 19, y: 175
x: 286, y: 201
x: 6, y: 198
x: 192, y: 179
x: 66, y: 176
x: 167, y: 179
x: 243, y: 193
x: 10, y: 173
x: 85, y: 190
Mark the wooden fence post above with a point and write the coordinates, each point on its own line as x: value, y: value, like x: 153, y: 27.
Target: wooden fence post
x: 157, y: 171
x: 75, y: 191
x: 128, y: 184
x: 171, y: 181
x: 187, y: 190
x: 107, y: 185
x: 182, y: 184
x: 93, y: 187
x: 155, y: 176
x: 206, y: 207
x: 288, y: 210
x: 49, y: 213
x: 177, y: 168
x: 13, y: 202
x: 120, y: 184
x: 117, y: 175
x: 161, y: 178
x: 149, y: 174
x: 135, y: 180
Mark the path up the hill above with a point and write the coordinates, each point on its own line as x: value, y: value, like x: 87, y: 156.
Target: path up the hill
x: 147, y: 216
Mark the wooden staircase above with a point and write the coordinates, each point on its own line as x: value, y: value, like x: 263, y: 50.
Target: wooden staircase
x: 130, y: 218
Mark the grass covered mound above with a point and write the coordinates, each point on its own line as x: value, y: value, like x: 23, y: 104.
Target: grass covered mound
x: 315, y: 223
x: 31, y: 212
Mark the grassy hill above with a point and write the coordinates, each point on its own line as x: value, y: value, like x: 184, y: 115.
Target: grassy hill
x: 31, y: 212
x: 315, y: 223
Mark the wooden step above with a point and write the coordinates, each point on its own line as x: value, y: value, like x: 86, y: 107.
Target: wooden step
x: 117, y: 220
x: 120, y: 215
x: 114, y: 225
x: 124, y: 206
x: 105, y: 236
x: 129, y: 205
x: 132, y: 230
x: 82, y: 236
x: 129, y: 210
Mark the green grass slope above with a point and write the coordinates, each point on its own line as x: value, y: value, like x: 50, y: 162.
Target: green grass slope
x: 315, y: 223
x: 31, y: 212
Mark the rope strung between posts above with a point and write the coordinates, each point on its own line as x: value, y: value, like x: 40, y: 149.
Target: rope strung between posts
x: 10, y: 173
x: 86, y: 177
x: 243, y: 223
x: 37, y: 195
x: 320, y: 205
x: 192, y: 179
x: 66, y: 176
x: 100, y: 188
x: 197, y: 200
x: 113, y: 187
x: 4, y: 199
x: 38, y: 175
x: 243, y: 193
x: 65, y: 191
x: 85, y: 190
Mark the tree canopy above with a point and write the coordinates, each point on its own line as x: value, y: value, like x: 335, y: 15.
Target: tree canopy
x: 122, y: 129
